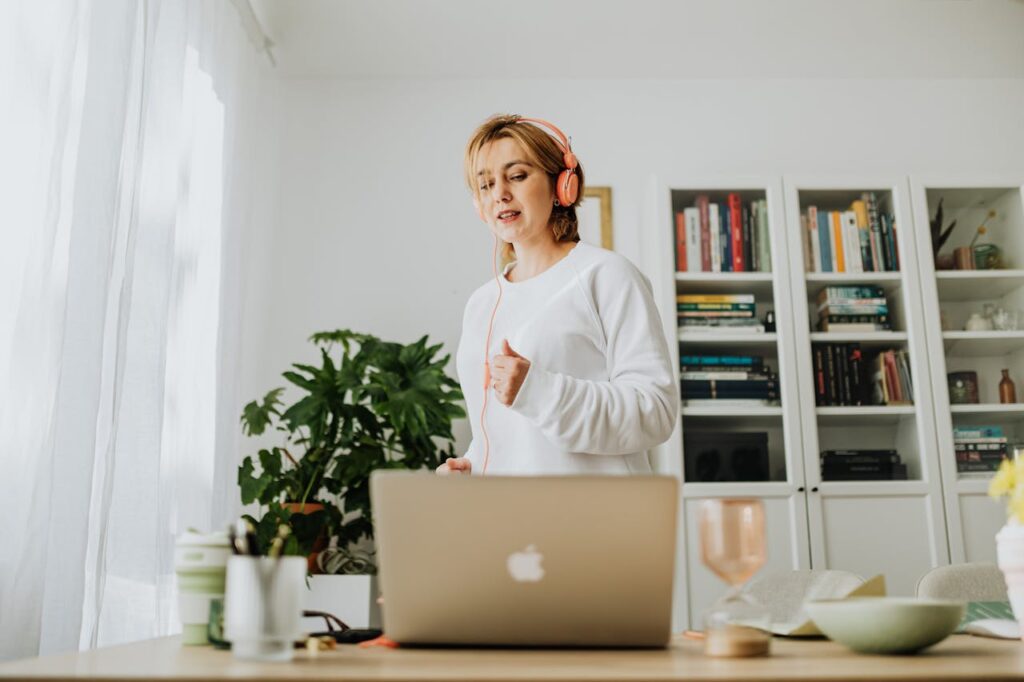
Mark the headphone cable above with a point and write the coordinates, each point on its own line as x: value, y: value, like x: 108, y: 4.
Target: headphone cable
x: 487, y: 363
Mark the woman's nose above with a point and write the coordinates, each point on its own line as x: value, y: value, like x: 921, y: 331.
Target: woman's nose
x: 500, y: 191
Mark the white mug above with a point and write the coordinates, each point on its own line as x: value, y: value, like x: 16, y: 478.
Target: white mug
x: 263, y: 606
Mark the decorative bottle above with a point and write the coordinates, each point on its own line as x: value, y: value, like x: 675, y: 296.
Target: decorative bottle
x: 1007, y: 391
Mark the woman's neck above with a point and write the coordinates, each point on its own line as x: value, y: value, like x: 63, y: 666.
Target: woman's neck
x: 533, y: 259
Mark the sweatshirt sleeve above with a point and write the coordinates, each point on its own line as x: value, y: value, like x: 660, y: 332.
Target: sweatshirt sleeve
x: 637, y: 407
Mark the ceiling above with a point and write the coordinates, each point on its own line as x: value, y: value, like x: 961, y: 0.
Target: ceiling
x: 646, y: 38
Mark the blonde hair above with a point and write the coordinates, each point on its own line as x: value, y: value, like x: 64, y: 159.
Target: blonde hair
x: 541, y: 149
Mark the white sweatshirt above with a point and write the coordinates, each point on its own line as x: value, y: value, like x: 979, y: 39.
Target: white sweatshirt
x: 600, y: 389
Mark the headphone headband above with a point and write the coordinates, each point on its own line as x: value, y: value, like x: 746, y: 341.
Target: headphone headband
x: 566, y: 146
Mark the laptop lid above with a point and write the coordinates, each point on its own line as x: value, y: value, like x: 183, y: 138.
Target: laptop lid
x: 525, y: 561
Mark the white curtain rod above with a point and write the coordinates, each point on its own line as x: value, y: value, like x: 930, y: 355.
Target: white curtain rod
x: 251, y: 24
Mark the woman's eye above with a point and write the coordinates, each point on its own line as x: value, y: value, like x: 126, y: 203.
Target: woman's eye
x: 486, y: 185
x: 521, y: 176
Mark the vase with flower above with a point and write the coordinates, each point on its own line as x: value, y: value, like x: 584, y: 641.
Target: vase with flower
x: 1008, y: 483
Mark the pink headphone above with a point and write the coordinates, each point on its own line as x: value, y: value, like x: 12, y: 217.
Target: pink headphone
x: 567, y: 186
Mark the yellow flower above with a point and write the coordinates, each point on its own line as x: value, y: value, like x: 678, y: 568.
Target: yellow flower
x: 1004, y: 481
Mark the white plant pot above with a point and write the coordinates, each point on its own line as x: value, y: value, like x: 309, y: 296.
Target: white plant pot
x: 1010, y: 558
x: 352, y: 598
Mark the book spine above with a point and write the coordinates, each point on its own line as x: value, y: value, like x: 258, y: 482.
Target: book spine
x: 853, y: 258
x: 764, y: 243
x: 748, y: 239
x: 857, y: 370
x: 736, y: 231
x: 876, y: 230
x: 819, y: 377
x: 680, y: 241
x: 693, y: 247
x: 724, y: 240
x: 825, y: 240
x: 839, y: 255
x: 746, y: 307
x: 715, y: 298
x: 705, y: 234
x: 716, y: 238
x: 860, y: 211
x: 851, y: 292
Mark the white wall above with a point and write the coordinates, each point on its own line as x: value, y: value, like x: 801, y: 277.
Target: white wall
x: 375, y: 230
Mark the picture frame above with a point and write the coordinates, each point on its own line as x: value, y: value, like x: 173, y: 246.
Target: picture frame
x: 595, y: 217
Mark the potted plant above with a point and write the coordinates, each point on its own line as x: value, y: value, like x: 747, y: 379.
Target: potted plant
x: 1008, y: 482
x: 371, y: 404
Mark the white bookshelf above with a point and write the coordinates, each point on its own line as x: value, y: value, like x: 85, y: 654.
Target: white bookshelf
x: 949, y: 297
x: 697, y: 587
x: 840, y: 512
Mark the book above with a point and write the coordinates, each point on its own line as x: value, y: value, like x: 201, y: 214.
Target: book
x: 680, y: 241
x: 716, y: 239
x: 736, y: 231
x: 693, y: 245
x: 857, y: 291
x: 764, y: 247
x: 703, y: 360
x: 705, y: 233
x: 698, y: 330
x: 852, y: 327
x: 685, y: 305
x: 722, y: 375
x: 715, y: 298
x: 730, y: 402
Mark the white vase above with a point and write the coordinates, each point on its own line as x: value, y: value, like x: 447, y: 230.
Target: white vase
x: 1010, y: 557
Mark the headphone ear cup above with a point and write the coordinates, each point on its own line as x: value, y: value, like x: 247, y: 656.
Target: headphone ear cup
x: 568, y: 188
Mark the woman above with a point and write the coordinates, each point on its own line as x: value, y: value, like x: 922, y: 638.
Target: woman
x: 579, y: 377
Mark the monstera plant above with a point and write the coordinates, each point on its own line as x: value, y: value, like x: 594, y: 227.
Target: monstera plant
x: 371, y: 404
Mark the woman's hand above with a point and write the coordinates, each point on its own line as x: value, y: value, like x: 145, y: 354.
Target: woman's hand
x: 455, y: 465
x: 508, y: 372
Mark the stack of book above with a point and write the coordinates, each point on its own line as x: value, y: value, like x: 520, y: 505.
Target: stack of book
x: 717, y: 312
x: 727, y: 381
x: 859, y: 308
x: 859, y: 239
x: 862, y: 465
x: 727, y: 237
x: 979, y: 448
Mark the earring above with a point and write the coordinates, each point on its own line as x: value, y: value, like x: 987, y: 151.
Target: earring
x: 556, y: 203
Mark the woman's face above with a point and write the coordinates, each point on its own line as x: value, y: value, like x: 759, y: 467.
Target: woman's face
x: 515, y: 196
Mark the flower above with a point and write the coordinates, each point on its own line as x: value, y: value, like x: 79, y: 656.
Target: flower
x: 1009, y: 482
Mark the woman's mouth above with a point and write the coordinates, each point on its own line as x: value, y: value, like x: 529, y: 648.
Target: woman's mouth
x: 506, y: 217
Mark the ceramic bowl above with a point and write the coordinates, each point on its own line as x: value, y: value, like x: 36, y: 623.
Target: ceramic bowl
x: 886, y: 625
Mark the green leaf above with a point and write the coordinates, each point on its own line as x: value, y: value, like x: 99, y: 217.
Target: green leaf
x: 256, y: 416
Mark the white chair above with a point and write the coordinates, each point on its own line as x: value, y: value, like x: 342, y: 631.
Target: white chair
x: 970, y: 582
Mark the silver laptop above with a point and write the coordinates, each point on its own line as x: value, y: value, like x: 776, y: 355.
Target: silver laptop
x: 526, y: 561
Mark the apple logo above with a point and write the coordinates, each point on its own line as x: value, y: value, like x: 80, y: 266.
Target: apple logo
x: 525, y: 566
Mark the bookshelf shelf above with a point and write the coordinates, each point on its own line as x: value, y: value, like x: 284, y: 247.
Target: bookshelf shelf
x: 744, y: 338
x: 982, y: 344
x: 734, y: 417
x: 866, y: 339
x: 868, y: 415
x: 890, y: 281
x: 758, y: 283
x: 977, y: 285
x: 989, y: 408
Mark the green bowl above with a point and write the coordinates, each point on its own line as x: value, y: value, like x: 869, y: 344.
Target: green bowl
x: 886, y: 625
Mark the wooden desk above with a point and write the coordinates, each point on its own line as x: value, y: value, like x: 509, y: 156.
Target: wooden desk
x: 960, y: 657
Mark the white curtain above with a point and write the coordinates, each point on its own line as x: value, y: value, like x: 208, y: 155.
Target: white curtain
x: 129, y: 131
